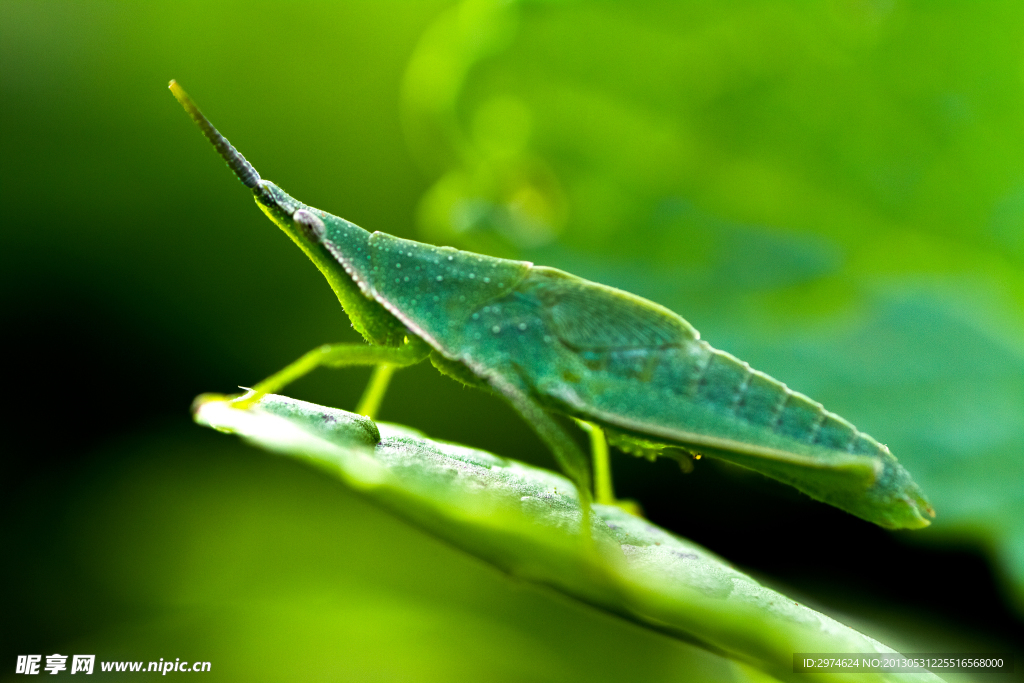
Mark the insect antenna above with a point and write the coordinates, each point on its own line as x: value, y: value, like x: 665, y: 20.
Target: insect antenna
x: 236, y: 162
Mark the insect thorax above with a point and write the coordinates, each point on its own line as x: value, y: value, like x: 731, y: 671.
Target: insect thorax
x: 434, y: 290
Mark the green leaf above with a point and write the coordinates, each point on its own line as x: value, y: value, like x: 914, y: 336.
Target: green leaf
x: 526, y: 521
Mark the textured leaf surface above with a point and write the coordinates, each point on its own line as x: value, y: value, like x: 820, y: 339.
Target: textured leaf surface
x: 526, y: 520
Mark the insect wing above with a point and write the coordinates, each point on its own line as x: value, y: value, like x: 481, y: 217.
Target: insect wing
x: 586, y: 316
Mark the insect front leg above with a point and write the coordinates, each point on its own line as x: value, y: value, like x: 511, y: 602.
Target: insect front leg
x: 373, y: 395
x: 386, y: 358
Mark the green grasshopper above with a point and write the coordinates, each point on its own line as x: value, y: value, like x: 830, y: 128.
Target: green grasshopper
x: 552, y: 343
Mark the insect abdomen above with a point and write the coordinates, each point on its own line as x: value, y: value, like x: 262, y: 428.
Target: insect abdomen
x: 732, y: 387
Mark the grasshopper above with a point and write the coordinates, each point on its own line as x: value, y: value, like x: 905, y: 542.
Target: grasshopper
x: 551, y: 343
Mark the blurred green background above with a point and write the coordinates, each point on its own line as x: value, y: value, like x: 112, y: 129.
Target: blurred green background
x: 831, y: 191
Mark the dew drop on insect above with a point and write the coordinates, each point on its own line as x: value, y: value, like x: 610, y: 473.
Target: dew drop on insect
x: 487, y: 309
x: 462, y: 297
x: 472, y: 275
x: 406, y: 278
x: 522, y: 326
x: 398, y: 279
x: 440, y: 278
x: 487, y: 279
x: 547, y: 338
x: 496, y: 329
x: 449, y: 258
x: 476, y: 316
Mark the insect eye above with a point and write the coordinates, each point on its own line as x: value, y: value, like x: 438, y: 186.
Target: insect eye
x: 310, y: 224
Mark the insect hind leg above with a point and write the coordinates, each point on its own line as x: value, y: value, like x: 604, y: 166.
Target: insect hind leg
x: 604, y: 491
x: 567, y: 454
x: 386, y: 358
